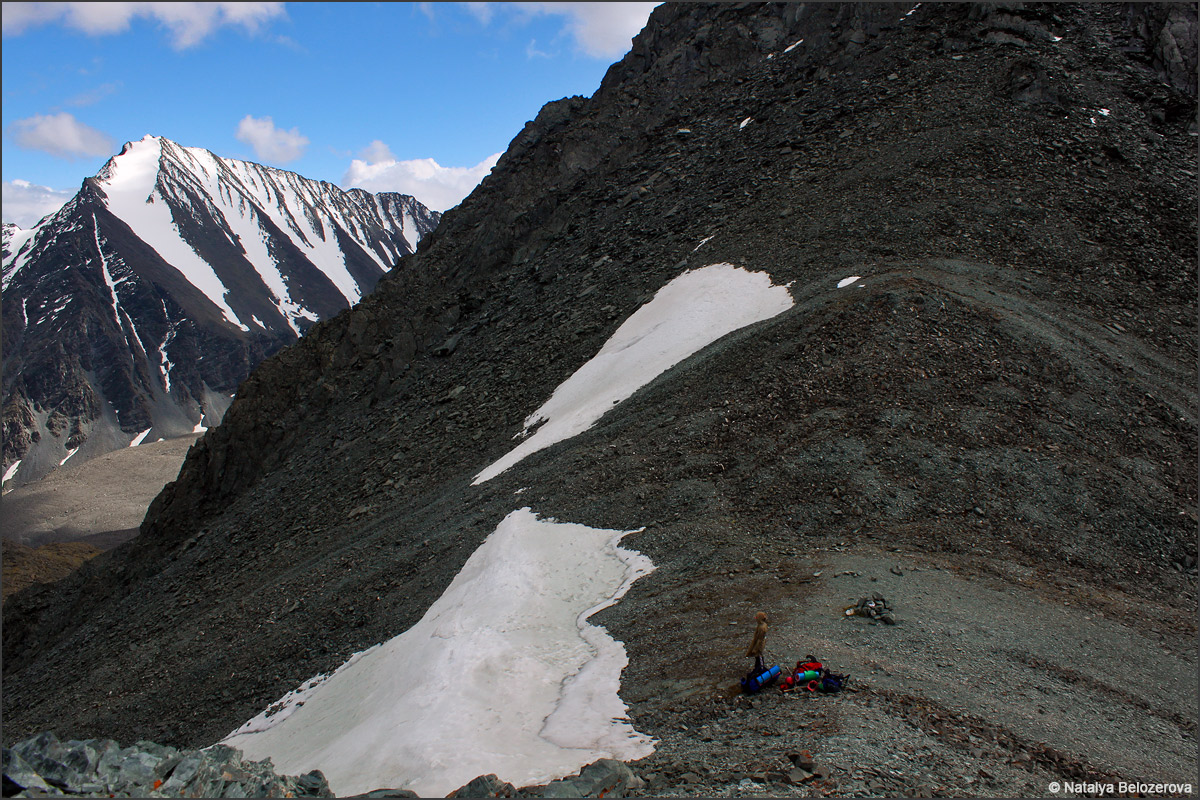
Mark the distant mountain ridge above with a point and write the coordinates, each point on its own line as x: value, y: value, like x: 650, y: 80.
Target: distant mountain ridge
x: 139, y: 306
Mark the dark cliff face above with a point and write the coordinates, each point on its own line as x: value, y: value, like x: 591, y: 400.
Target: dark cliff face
x: 1015, y: 183
x: 105, y: 338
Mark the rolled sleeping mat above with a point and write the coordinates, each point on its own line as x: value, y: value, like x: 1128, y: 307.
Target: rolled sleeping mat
x: 764, y: 678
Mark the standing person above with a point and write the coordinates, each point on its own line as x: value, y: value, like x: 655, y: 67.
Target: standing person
x: 759, y: 643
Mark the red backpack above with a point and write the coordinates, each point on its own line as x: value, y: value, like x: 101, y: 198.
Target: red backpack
x: 797, y: 679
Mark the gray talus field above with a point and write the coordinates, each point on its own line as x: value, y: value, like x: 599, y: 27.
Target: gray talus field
x: 101, y: 501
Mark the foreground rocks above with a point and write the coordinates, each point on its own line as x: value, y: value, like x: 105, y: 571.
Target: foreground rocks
x: 44, y: 766
x: 102, y: 768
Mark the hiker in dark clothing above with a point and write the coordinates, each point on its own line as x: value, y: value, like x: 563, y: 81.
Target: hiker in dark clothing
x: 759, y: 643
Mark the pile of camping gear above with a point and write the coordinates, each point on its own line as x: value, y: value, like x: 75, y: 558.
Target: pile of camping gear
x: 809, y: 675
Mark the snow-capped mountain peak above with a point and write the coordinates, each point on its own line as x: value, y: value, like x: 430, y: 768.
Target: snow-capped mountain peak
x: 151, y: 180
x: 176, y: 255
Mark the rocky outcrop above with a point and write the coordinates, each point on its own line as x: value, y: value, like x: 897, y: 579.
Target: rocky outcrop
x: 44, y: 766
x: 1165, y: 37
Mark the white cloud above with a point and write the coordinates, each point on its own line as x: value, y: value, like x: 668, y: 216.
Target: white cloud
x: 60, y: 135
x: 376, y: 152
x: 271, y: 143
x: 480, y: 11
x: 93, y: 96
x: 188, y: 23
x: 438, y: 187
x: 599, y: 30
x: 26, y: 203
x: 531, y: 51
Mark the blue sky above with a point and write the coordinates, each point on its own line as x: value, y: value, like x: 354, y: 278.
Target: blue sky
x: 411, y: 97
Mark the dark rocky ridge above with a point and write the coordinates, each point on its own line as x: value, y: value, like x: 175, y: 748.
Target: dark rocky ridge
x: 1014, y: 385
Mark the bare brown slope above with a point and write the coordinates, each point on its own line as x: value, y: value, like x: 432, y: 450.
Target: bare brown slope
x: 24, y: 565
x: 103, y: 500
x: 1014, y: 385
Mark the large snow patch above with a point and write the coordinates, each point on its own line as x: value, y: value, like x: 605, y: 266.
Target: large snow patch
x: 131, y: 186
x: 689, y: 313
x: 502, y: 675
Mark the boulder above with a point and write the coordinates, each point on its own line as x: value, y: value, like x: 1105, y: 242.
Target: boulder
x: 486, y: 786
x: 19, y: 775
x: 604, y: 778
x: 102, y: 768
x: 385, y: 793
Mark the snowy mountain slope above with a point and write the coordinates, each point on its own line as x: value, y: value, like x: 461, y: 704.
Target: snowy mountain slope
x: 142, y: 303
x: 14, y: 239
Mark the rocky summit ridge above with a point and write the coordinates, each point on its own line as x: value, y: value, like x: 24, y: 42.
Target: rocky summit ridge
x: 994, y: 426
x: 138, y: 307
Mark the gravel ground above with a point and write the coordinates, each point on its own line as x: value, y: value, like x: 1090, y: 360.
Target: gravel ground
x: 986, y: 686
x: 101, y: 501
x: 52, y: 526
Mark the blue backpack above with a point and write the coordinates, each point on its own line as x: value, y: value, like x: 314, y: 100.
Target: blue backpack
x: 832, y: 683
x: 756, y: 681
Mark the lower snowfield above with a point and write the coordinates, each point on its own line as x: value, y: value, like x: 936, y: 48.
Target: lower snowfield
x: 503, y: 674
